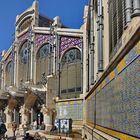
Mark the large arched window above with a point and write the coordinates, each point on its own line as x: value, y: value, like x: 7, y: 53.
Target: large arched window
x: 25, y: 62
x: 43, y: 63
x: 71, y: 74
x: 9, y: 73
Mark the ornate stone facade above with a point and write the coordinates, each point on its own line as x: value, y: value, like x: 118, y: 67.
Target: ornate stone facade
x: 71, y: 73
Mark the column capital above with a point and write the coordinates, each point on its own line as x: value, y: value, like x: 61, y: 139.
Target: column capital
x: 46, y: 110
x: 24, y: 110
x: 8, y: 110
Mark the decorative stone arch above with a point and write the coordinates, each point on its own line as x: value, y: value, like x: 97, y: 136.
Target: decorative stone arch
x: 66, y: 50
x: 38, y: 48
x: 21, y: 45
x: 28, y: 19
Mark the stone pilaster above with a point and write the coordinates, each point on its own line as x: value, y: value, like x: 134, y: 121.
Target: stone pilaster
x: 47, y: 112
x: 8, y: 114
x: 24, y: 116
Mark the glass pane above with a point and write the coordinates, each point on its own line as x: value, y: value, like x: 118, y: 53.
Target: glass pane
x: 43, y: 52
x: 71, y: 56
x: 24, y: 53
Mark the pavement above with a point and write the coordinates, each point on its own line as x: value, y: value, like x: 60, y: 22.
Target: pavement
x: 9, y: 135
x: 42, y: 134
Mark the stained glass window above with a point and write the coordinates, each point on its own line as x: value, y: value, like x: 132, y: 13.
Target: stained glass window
x: 44, y: 51
x: 9, y: 73
x: 25, y: 62
x: 24, y: 53
x: 71, y: 74
x: 44, y: 63
x: 71, y: 56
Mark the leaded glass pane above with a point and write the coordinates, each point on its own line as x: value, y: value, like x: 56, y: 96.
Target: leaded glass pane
x: 9, y: 74
x: 71, y: 56
x: 24, y: 53
x: 43, y: 52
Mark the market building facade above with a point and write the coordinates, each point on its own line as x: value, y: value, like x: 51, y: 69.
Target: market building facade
x: 89, y: 75
x: 43, y: 65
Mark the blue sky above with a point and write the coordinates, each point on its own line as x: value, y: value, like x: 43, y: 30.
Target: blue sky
x: 70, y: 11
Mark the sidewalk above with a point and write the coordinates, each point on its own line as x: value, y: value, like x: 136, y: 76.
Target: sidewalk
x: 9, y: 133
x: 49, y: 137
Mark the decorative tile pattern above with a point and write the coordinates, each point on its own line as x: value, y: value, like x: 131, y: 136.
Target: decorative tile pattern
x: 90, y: 109
x: 40, y: 39
x: 68, y: 42
x: 118, y: 102
x: 72, y: 109
x: 22, y: 38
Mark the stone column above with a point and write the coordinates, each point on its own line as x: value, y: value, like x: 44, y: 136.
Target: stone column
x: 17, y: 80
x: 47, y: 113
x: 8, y: 114
x: 24, y: 116
x: 32, y: 115
x: 85, y: 52
x: 32, y: 62
x: 15, y: 67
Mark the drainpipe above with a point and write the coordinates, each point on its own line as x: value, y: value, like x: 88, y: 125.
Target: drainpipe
x: 128, y: 11
x: 136, y: 8
x: 92, y: 41
x: 100, y: 36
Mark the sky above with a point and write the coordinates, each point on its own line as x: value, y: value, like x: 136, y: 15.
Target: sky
x: 70, y: 11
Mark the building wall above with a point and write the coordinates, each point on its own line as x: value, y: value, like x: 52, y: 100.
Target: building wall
x: 112, y: 104
x: 117, y: 97
x: 71, y: 109
x: 31, y: 89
